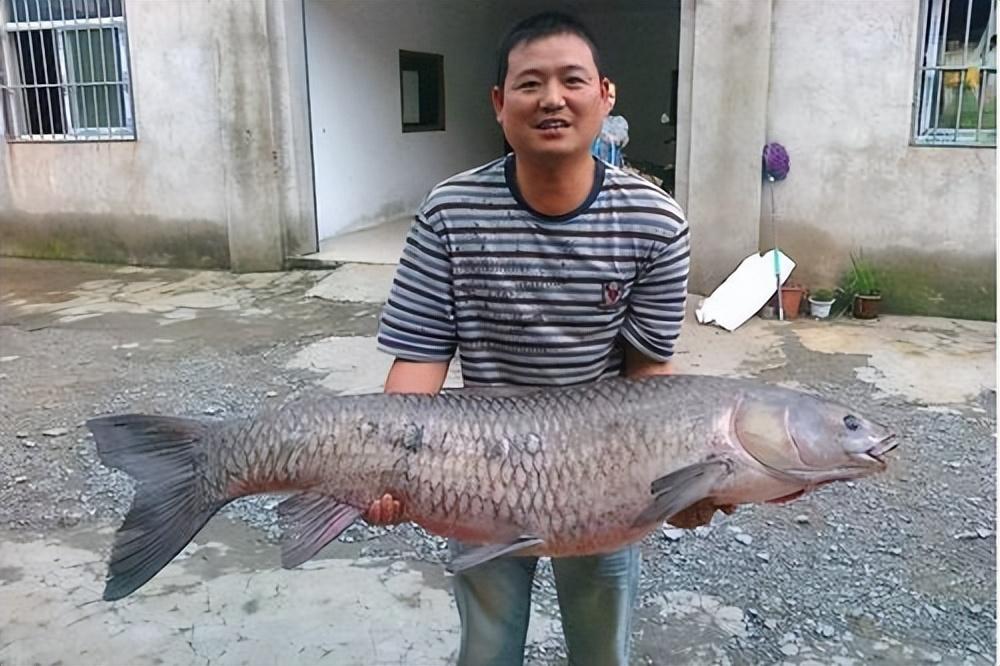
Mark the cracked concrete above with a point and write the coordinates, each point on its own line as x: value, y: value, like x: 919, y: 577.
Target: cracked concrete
x: 933, y: 361
x: 361, y: 610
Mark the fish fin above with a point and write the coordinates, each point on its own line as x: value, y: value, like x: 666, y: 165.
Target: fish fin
x: 310, y: 521
x: 169, y: 506
x: 478, y: 554
x: 680, y: 489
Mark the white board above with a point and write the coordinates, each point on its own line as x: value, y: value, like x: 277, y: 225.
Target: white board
x: 745, y: 291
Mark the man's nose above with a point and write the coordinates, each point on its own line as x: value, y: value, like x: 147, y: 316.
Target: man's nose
x: 552, y: 97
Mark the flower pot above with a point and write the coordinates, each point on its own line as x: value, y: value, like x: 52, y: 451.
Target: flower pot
x: 820, y: 309
x: 866, y: 307
x: 791, y: 301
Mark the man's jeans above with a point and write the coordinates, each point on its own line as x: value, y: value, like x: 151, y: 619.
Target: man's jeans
x: 596, y: 596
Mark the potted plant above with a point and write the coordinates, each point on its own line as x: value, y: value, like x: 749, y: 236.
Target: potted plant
x: 820, y: 302
x: 861, y: 289
x: 791, y: 299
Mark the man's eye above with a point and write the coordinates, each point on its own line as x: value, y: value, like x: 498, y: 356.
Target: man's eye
x: 527, y: 84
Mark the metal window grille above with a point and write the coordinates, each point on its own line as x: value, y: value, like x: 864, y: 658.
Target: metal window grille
x: 956, y: 102
x: 65, y: 71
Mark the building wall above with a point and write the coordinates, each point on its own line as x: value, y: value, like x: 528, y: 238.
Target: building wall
x: 198, y: 187
x: 841, y: 93
x: 724, y: 55
x: 367, y: 170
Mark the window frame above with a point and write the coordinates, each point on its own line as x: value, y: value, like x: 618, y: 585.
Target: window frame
x: 922, y: 134
x: 436, y: 61
x: 16, y: 118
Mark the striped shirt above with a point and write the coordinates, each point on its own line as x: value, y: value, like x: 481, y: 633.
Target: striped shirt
x: 531, y: 299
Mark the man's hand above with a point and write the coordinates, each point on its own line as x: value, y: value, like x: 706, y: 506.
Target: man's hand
x: 385, y: 511
x: 699, y: 513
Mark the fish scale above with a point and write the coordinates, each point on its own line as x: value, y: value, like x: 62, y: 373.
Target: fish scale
x: 559, y: 472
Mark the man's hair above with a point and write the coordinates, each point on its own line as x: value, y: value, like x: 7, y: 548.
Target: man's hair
x: 546, y: 24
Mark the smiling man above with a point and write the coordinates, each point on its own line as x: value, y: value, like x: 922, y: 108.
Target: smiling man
x: 545, y: 267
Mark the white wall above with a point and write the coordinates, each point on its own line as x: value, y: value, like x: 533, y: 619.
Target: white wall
x: 842, y: 85
x: 723, y: 118
x: 197, y: 187
x: 367, y: 171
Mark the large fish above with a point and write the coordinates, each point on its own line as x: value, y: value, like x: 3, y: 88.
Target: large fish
x: 558, y: 472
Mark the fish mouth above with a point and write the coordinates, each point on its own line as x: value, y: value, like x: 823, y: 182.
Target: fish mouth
x: 877, y: 452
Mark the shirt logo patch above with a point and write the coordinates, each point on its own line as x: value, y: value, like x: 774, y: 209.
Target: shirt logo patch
x: 611, y: 294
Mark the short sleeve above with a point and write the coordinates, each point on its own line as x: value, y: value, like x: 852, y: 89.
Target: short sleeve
x: 659, y: 295
x: 417, y: 321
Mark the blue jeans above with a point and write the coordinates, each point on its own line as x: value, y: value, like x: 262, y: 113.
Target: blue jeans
x: 596, y: 596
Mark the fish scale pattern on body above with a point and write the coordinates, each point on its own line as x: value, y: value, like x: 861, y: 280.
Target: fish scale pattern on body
x: 552, y: 463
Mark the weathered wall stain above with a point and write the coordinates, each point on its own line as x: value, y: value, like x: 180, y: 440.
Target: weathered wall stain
x: 934, y: 281
x: 125, y: 239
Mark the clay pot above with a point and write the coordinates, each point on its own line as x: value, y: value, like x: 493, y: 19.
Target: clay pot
x: 791, y: 300
x: 866, y: 307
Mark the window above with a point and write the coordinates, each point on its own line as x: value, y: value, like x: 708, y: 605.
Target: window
x: 65, y: 74
x: 956, y: 100
x: 421, y: 86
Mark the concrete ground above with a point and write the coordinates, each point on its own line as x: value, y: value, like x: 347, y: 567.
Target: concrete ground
x: 897, y: 569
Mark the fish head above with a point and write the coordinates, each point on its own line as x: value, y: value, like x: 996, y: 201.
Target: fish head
x: 800, y: 436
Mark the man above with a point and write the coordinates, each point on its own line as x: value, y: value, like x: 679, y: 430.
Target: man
x: 545, y: 267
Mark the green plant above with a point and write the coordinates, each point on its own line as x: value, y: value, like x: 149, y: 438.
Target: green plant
x: 822, y: 295
x: 860, y: 279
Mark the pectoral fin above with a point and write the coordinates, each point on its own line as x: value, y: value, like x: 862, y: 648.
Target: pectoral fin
x: 680, y: 489
x: 309, y: 521
x: 479, y: 554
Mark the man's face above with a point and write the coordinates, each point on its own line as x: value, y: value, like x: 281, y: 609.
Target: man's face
x: 553, y: 100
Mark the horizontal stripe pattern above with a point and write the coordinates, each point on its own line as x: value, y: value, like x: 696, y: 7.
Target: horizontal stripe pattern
x: 528, y: 300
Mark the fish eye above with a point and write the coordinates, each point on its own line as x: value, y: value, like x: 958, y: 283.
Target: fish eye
x: 852, y: 422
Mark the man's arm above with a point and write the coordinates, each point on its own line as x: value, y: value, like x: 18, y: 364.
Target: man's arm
x: 638, y: 365
x: 416, y: 376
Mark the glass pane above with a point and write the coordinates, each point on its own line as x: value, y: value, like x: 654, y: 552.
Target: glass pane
x: 57, y: 10
x: 972, y: 86
x: 92, y: 60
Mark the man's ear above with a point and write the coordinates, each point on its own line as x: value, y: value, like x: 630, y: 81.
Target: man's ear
x: 606, y: 94
x: 496, y: 96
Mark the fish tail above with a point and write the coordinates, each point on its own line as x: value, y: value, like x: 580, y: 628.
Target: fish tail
x: 172, y: 502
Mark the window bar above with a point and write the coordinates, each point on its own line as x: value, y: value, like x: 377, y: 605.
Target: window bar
x: 48, y: 90
x: 931, y: 47
x: 81, y: 86
x: 98, y: 89
x: 66, y: 90
x: 965, y: 65
x: 984, y: 72
x: 984, y: 78
x: 9, y: 124
x: 116, y: 43
x: 34, y: 80
x: 126, y: 75
x: 23, y: 124
x: 943, y: 46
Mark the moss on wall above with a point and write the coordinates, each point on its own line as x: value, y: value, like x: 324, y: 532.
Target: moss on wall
x: 140, y: 240
x: 919, y: 285
x: 939, y: 283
